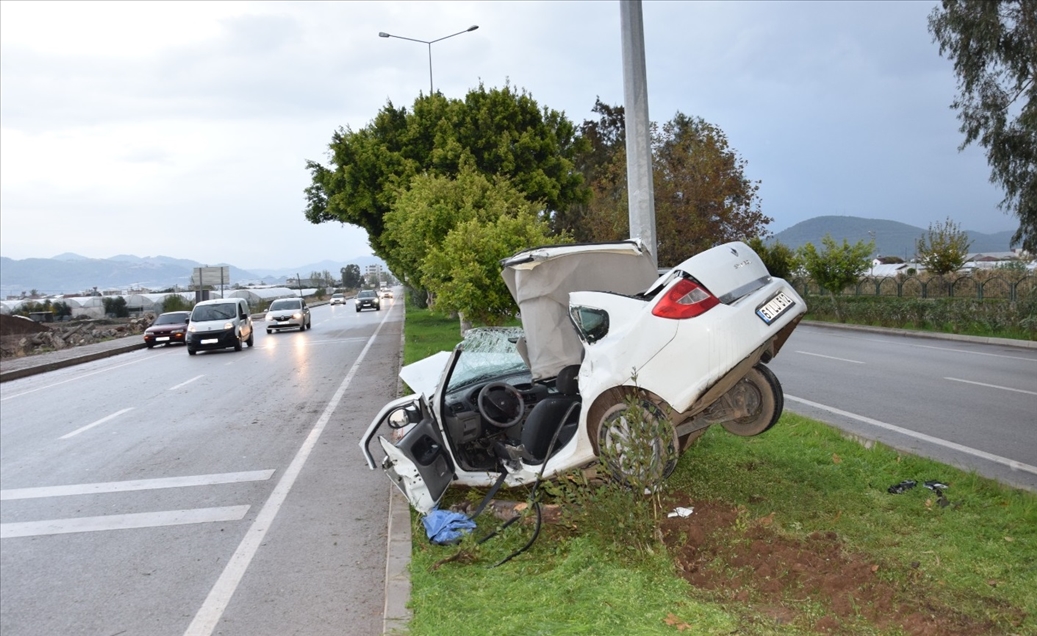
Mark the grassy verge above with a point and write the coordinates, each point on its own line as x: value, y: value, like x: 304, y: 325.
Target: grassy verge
x: 885, y: 564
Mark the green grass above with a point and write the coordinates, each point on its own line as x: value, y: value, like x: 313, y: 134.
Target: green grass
x: 594, y: 575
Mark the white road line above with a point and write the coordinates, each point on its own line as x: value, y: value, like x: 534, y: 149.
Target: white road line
x: 1011, y: 463
x: 818, y: 355
x: 992, y: 386
x: 121, y: 522
x: 97, y: 423
x: 219, y: 596
x: 174, y: 388
x: 136, y: 484
x: 78, y: 377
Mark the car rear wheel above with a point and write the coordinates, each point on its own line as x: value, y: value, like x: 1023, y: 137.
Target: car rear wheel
x: 759, y: 400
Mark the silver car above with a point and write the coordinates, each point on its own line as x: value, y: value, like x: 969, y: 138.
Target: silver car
x: 288, y: 313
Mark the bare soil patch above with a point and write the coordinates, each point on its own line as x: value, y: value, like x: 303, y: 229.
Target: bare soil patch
x: 751, y: 563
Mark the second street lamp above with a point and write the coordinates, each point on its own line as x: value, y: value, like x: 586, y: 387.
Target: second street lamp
x: 383, y: 34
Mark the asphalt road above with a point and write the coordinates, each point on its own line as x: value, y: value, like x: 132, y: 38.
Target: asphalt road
x: 967, y: 404
x: 160, y: 493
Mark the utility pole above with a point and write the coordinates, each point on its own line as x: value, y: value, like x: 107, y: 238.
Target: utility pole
x: 640, y: 191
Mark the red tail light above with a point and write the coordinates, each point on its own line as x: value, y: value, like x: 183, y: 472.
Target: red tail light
x: 686, y: 299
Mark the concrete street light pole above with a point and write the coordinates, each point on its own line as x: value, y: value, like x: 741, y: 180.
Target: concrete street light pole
x: 641, y: 192
x: 383, y: 34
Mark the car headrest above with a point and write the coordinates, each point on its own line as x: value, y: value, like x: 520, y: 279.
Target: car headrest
x: 566, y: 382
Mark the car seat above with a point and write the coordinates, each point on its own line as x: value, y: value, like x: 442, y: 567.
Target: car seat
x: 558, y: 413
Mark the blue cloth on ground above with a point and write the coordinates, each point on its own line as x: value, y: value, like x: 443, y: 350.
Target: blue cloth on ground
x: 445, y: 527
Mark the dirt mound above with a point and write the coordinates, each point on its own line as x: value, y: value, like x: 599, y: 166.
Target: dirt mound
x: 19, y: 326
x: 744, y: 562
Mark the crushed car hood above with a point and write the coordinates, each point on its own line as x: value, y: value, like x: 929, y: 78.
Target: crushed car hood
x: 424, y: 375
x: 541, y: 279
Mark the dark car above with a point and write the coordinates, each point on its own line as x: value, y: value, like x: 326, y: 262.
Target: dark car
x: 368, y: 299
x: 168, y: 328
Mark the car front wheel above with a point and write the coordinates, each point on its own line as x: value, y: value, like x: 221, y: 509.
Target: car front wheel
x: 637, y: 442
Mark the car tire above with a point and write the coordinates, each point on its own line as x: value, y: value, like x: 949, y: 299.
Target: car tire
x: 237, y: 343
x: 251, y: 338
x: 149, y: 345
x: 358, y: 310
x: 764, y: 399
x: 269, y: 331
x: 191, y: 351
x: 637, y: 460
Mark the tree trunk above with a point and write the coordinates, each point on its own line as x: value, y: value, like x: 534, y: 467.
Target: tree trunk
x: 465, y: 324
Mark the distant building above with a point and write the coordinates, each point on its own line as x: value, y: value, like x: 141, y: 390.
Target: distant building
x: 373, y: 273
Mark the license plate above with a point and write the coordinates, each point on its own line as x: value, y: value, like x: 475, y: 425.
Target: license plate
x: 775, y: 307
x: 162, y: 339
x: 210, y: 341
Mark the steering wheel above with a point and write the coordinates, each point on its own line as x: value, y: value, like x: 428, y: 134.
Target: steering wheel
x: 501, y: 404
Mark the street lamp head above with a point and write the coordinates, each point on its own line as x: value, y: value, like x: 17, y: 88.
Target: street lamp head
x: 472, y: 28
x: 383, y: 34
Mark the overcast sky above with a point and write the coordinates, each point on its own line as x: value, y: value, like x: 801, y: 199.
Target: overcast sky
x: 182, y: 129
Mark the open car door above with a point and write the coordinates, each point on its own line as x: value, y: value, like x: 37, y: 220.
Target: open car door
x: 419, y: 465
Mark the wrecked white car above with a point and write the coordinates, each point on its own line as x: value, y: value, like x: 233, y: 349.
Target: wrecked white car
x: 602, y: 334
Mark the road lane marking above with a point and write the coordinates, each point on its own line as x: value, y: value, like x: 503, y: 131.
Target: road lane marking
x: 78, y: 377
x: 216, y: 602
x: 818, y: 355
x: 174, y: 388
x: 97, y: 423
x: 997, y: 459
x: 135, y: 484
x: 992, y: 386
x: 121, y: 522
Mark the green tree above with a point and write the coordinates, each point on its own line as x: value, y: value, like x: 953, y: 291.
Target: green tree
x: 176, y: 302
x: 780, y: 259
x: 350, y: 276
x: 464, y: 274
x: 944, y: 248
x: 994, y: 49
x: 836, y: 266
x: 424, y: 215
x: 702, y: 196
x: 115, y: 306
x: 493, y: 131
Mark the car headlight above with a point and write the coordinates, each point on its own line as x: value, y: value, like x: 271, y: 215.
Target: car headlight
x: 297, y: 316
x: 192, y: 328
x: 228, y: 325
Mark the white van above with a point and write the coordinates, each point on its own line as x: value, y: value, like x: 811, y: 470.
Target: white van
x: 218, y: 324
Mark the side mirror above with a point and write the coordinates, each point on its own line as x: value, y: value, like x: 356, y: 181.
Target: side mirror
x: 402, y: 417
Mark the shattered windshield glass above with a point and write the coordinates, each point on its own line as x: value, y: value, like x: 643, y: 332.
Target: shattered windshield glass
x: 487, y: 354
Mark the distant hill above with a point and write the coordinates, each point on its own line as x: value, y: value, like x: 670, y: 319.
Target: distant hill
x: 70, y: 273
x: 892, y: 238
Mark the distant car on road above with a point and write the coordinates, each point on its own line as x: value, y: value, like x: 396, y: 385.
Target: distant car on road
x: 218, y: 324
x: 286, y: 313
x: 368, y: 299
x: 386, y: 293
x: 337, y: 299
x: 168, y: 328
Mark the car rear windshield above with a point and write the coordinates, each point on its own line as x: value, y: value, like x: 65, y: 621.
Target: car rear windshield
x: 179, y: 317
x: 285, y: 304
x: 223, y: 311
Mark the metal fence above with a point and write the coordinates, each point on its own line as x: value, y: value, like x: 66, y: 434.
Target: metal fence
x: 981, y: 285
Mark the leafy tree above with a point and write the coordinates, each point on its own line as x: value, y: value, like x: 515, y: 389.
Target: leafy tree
x: 994, y: 49
x: 424, y: 215
x: 115, y: 306
x: 176, y: 302
x: 944, y: 248
x: 780, y: 259
x: 493, y: 131
x: 702, y: 196
x: 350, y: 276
x: 464, y: 274
x: 61, y: 309
x: 836, y: 266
